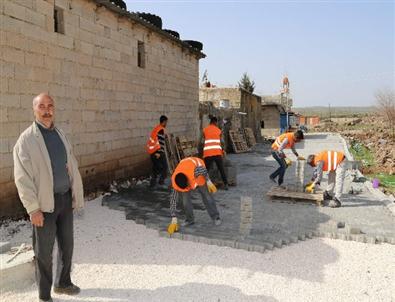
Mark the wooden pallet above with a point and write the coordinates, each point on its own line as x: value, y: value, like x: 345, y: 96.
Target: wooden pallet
x: 186, y: 147
x: 250, y: 137
x: 276, y: 192
x: 238, y: 142
x: 171, y: 151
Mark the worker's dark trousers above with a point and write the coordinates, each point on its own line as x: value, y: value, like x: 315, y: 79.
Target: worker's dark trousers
x: 159, y: 167
x: 280, y: 172
x: 220, y: 165
x: 208, y: 201
x: 59, y: 225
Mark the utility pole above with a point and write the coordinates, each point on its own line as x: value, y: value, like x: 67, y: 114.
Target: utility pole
x: 330, y: 117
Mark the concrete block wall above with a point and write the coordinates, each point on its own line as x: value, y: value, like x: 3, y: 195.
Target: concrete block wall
x: 215, y: 95
x: 105, y: 103
x: 271, y: 119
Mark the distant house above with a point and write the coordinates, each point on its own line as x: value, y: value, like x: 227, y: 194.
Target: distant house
x: 282, y: 99
x: 247, y: 104
x: 270, y: 119
x: 309, y: 120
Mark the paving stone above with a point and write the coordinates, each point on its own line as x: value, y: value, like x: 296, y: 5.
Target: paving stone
x: 248, y: 216
x: 302, y: 237
x: 352, y: 230
x: 371, y: 240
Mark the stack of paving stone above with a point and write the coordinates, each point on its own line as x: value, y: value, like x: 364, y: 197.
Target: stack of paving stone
x: 245, y: 216
x: 299, y: 175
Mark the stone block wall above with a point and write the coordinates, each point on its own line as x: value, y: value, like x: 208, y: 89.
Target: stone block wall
x: 105, y: 103
x: 215, y: 95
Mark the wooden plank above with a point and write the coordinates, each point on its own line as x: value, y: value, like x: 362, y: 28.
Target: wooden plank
x: 277, y: 192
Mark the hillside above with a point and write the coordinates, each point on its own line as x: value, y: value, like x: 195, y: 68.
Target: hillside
x: 323, y: 111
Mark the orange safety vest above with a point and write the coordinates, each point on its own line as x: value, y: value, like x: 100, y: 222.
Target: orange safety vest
x: 212, y: 141
x: 153, y: 142
x: 280, y: 139
x: 187, y: 166
x: 331, y: 159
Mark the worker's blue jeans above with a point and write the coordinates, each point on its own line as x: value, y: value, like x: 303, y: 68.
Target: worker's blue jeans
x: 280, y: 172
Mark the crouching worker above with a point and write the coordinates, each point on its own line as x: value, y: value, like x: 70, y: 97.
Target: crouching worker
x: 334, y: 163
x: 191, y: 174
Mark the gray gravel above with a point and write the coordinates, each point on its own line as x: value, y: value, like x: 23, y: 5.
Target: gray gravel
x: 118, y: 260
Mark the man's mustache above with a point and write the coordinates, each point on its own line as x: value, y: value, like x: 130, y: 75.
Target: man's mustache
x: 47, y: 115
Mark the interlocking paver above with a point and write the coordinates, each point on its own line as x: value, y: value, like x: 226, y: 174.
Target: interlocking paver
x: 251, y: 221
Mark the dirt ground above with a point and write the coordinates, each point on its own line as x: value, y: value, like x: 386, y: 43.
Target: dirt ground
x: 373, y: 133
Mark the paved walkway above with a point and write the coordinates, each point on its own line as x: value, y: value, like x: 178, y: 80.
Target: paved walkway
x: 265, y: 224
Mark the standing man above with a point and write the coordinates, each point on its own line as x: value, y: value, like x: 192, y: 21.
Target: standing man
x: 49, y: 186
x: 191, y: 174
x: 333, y: 162
x: 212, y: 150
x: 156, y: 150
x: 284, y: 141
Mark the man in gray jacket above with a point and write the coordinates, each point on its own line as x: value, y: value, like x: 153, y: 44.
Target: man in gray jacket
x: 50, y: 187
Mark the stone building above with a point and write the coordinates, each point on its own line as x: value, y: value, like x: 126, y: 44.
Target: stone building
x: 281, y: 98
x: 111, y: 73
x: 247, y: 104
x: 270, y: 119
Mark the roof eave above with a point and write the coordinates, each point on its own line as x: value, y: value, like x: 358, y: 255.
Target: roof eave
x: 134, y: 17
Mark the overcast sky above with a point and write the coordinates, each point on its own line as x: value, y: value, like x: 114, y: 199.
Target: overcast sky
x: 337, y: 52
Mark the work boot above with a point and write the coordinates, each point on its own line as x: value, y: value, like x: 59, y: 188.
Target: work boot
x: 187, y: 223
x: 335, y: 203
x: 161, y: 181
x: 152, y: 182
x: 70, y: 290
x: 45, y: 300
x: 217, y: 221
x: 327, y: 196
x: 226, y: 187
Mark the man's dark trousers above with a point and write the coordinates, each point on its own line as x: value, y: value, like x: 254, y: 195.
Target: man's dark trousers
x: 159, y: 167
x: 280, y: 172
x: 220, y: 165
x: 59, y: 225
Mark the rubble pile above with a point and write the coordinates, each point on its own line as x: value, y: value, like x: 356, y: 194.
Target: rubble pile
x: 371, y: 131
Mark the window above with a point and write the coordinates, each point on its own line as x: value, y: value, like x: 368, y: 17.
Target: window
x: 262, y: 124
x: 58, y: 20
x: 140, y: 55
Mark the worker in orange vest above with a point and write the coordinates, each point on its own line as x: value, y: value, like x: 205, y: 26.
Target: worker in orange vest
x: 156, y: 150
x: 212, y: 150
x: 284, y: 141
x: 191, y: 174
x: 333, y: 162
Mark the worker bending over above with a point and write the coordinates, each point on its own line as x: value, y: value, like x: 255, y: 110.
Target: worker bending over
x: 212, y: 150
x: 333, y: 162
x: 156, y: 149
x: 284, y: 141
x: 191, y: 174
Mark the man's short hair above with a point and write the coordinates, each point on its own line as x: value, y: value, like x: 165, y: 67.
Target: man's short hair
x: 213, y: 120
x: 181, y: 180
x: 299, y: 134
x: 163, y: 118
x: 310, y: 159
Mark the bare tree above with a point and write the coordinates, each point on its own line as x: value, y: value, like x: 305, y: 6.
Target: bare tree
x: 386, y: 103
